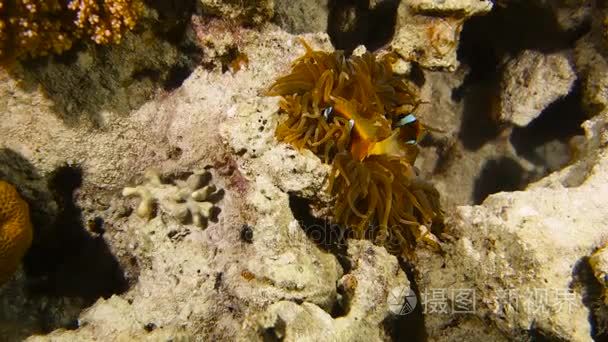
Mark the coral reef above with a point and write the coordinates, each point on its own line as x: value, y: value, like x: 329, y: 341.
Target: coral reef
x: 356, y: 114
x: 15, y: 230
x: 365, y: 291
x: 189, y: 200
x: 30, y: 28
x: 522, y: 254
x: 290, y: 272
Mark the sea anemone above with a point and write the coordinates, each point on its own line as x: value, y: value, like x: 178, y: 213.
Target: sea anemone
x: 381, y: 198
x: 356, y: 114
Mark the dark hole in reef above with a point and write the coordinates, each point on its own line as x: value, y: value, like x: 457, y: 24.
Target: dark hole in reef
x: 176, y: 77
x: 352, y: 23
x: 276, y: 333
x: 174, y: 16
x: 503, y: 174
x: 479, y: 90
x: 65, y: 259
x: 559, y: 121
x: 174, y: 153
x: 485, y: 42
x: 146, y: 73
x: 519, y: 26
x: 96, y: 225
x: 416, y: 75
x: 408, y: 327
x: 246, y: 234
x: 230, y: 56
x: 478, y: 126
x: 536, y: 334
x: 341, y: 306
x: 592, y: 292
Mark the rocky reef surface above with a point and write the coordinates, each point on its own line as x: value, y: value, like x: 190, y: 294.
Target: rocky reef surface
x: 229, y: 237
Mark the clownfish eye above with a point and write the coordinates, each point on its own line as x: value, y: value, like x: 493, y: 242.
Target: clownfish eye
x: 406, y: 120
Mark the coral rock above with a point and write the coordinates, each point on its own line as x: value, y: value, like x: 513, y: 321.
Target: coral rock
x: 248, y: 12
x: 430, y: 40
x: 374, y: 289
x: 531, y: 82
x: 15, y: 230
x: 302, y: 16
x: 466, y: 7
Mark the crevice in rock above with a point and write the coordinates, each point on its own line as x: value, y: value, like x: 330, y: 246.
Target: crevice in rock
x: 538, y: 335
x: 478, y: 126
x: 486, y: 42
x: 175, y: 16
x: 341, y: 306
x: 502, y: 174
x: 65, y: 259
x: 327, y: 236
x: 353, y: 22
x: 409, y: 327
x: 585, y: 283
x: 510, y: 29
x: 559, y: 122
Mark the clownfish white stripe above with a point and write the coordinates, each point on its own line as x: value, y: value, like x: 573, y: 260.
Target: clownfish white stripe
x: 327, y: 113
x: 408, y: 119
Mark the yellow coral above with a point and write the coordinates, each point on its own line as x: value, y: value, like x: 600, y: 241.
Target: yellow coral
x: 105, y: 22
x: 15, y: 230
x: 31, y: 28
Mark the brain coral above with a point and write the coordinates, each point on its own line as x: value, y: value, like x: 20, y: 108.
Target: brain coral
x: 30, y: 28
x: 15, y: 230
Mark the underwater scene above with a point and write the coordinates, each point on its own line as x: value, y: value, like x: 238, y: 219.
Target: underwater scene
x: 303, y: 170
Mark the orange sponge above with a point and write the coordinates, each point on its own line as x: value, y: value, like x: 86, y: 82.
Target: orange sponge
x: 15, y: 230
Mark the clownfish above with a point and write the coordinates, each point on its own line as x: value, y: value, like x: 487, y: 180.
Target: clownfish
x: 402, y: 141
